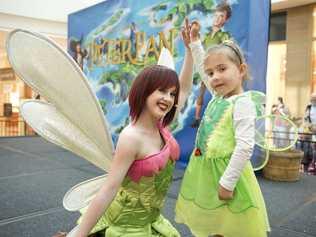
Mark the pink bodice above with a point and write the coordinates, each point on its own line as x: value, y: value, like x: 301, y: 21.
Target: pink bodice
x: 152, y: 164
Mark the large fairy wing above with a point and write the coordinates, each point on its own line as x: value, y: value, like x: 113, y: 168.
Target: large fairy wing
x: 80, y: 195
x: 48, y: 122
x: 50, y: 71
x: 49, y: 125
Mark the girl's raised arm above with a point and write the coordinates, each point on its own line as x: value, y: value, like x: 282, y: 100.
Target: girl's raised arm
x: 187, y: 68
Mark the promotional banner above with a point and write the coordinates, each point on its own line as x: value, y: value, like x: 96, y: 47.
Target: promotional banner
x: 113, y: 40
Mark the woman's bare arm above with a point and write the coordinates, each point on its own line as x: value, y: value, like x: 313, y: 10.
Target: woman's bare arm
x: 125, y: 154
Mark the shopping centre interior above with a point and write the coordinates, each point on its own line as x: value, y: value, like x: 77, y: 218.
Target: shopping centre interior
x: 291, y: 69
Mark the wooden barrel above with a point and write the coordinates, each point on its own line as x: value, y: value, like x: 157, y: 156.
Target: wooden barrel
x: 283, y: 165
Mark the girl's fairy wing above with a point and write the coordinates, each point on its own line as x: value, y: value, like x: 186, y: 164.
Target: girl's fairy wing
x: 272, y: 132
x: 259, y: 99
x: 51, y: 124
x: 259, y: 158
x: 260, y: 155
x: 275, y: 132
x: 52, y: 73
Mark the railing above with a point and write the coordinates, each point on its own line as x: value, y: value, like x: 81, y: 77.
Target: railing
x: 14, y: 127
x: 283, y: 138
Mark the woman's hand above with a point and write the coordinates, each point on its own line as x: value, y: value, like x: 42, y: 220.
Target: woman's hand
x: 224, y: 194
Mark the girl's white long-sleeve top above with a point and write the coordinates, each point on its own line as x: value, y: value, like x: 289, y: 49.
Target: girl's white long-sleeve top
x: 244, y: 115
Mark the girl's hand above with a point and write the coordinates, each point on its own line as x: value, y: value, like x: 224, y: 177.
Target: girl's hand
x: 185, y: 31
x: 195, y: 31
x: 224, y: 194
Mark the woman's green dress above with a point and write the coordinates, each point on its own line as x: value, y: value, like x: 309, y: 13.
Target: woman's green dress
x: 136, y: 209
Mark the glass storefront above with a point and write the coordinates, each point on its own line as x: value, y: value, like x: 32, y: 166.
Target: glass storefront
x: 276, y: 70
x: 12, y: 92
x: 313, y: 83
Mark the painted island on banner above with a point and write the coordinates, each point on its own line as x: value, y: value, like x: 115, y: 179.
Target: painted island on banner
x: 113, y: 40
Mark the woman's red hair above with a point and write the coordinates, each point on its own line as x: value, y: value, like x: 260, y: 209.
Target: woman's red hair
x: 147, y: 81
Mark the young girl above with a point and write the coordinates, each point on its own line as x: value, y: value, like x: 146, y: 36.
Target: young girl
x: 219, y: 193
x: 131, y: 199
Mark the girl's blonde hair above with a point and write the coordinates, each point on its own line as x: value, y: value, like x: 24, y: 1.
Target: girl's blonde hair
x: 234, y: 53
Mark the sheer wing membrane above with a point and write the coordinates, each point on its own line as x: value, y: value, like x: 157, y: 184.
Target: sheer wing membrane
x: 259, y: 100
x: 275, y: 132
x: 259, y: 158
x: 260, y: 155
x: 272, y: 132
x: 51, y: 72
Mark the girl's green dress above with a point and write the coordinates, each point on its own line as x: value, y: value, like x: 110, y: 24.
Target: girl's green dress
x: 198, y: 205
